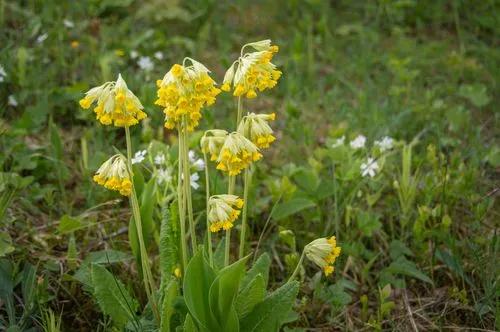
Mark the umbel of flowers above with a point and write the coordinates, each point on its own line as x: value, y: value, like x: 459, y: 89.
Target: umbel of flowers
x: 253, y: 71
x: 114, y: 175
x: 223, y: 210
x: 184, y: 90
x: 115, y: 104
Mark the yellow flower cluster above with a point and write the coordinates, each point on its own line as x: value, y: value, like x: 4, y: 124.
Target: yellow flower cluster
x: 236, y: 154
x: 256, y: 128
x: 184, y: 91
x: 116, y: 104
x: 223, y: 210
x: 114, y: 175
x: 212, y: 142
x: 323, y: 252
x: 253, y: 71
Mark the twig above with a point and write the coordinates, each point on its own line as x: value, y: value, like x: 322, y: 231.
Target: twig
x: 410, y: 314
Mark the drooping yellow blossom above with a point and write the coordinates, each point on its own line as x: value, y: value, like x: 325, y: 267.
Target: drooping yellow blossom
x: 114, y: 175
x: 323, y: 252
x: 116, y: 104
x: 255, y: 127
x: 236, y: 154
x: 184, y: 90
x: 212, y: 142
x: 252, y: 71
x: 223, y: 210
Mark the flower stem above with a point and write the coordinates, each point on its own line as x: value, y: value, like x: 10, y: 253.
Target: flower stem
x: 246, y: 184
x: 146, y: 269
x: 230, y: 190
x: 180, y: 203
x: 187, y: 186
x: 207, y: 191
x: 297, y: 268
x: 228, y: 232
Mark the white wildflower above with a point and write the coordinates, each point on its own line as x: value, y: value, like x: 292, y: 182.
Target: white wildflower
x: 194, y: 181
x: 3, y: 73
x: 369, y: 168
x: 139, y: 157
x: 164, y: 176
x: 145, y: 63
x: 134, y: 54
x: 386, y: 143
x: 159, y: 159
x: 358, y: 142
x: 12, y: 101
x: 68, y: 24
x: 158, y: 55
x: 338, y: 142
x: 40, y: 39
x: 197, y: 163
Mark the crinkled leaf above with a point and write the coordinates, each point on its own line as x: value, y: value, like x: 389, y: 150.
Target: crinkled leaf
x: 268, y: 315
x: 261, y: 266
x: 250, y: 295
x: 112, y: 296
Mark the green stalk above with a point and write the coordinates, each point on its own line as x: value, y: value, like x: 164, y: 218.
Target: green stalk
x: 207, y: 191
x: 297, y: 268
x: 180, y: 202
x: 230, y: 190
x: 187, y: 185
x: 146, y: 269
x: 246, y: 184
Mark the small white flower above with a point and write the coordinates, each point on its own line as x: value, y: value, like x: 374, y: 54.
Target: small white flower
x: 369, y: 168
x: 199, y: 163
x: 134, y: 54
x: 159, y: 159
x: 2, y: 78
x: 2, y: 72
x: 158, y: 55
x: 145, y: 63
x: 40, y: 39
x: 139, y: 157
x: 164, y: 176
x: 338, y: 142
x: 358, y: 142
x: 194, y: 181
x: 386, y: 143
x: 12, y: 101
x: 68, y: 24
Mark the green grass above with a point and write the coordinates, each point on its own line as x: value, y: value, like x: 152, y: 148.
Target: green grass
x: 424, y: 73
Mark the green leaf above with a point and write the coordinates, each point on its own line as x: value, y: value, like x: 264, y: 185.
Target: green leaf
x: 477, y: 94
x: 261, y: 266
x: 169, y: 239
x: 398, y: 249
x: 112, y: 297
x: 197, y: 281
x: 189, y: 325
x: 268, y: 315
x: 223, y: 292
x: 251, y: 295
x: 29, y: 285
x: 68, y: 224
x: 6, y: 246
x: 307, y: 180
x: 291, y: 207
x: 167, y: 308
x: 106, y: 257
x: 408, y: 268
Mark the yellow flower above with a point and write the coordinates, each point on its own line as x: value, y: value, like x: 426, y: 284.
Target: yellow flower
x: 223, y: 210
x: 183, y: 91
x: 177, y: 273
x: 323, y: 252
x: 116, y: 104
x: 252, y: 71
x: 212, y: 142
x: 75, y: 44
x: 114, y: 175
x: 236, y: 154
x: 255, y: 127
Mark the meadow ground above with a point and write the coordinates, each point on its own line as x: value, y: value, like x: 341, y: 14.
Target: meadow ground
x: 387, y: 137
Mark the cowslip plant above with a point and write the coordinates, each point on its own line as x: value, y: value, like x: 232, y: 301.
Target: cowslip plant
x: 218, y: 295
